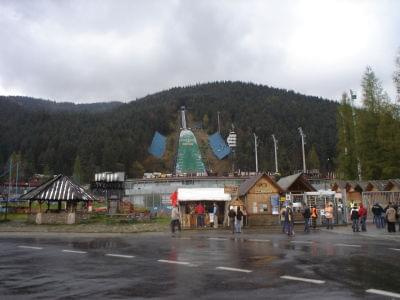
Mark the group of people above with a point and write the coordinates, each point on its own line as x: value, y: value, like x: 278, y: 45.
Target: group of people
x: 310, y: 215
x: 358, y: 217
x: 382, y: 216
x: 236, y: 219
x: 388, y: 215
x: 199, y: 215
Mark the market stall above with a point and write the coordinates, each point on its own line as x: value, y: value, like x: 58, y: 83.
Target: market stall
x: 196, y: 206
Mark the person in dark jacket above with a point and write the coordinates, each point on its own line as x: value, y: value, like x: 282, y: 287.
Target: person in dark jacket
x: 289, y: 221
x: 354, y: 217
x: 377, y: 210
x: 232, y: 217
x: 307, y: 215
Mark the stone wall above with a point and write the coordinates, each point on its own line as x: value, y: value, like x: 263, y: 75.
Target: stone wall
x: 263, y: 220
x: 55, y: 218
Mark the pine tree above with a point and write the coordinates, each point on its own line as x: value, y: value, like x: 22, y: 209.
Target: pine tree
x: 389, y: 140
x: 396, y: 75
x: 313, y: 159
x: 368, y: 119
x: 346, y: 147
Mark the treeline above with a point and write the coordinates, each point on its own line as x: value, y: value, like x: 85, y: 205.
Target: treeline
x: 369, y: 136
x: 80, y: 142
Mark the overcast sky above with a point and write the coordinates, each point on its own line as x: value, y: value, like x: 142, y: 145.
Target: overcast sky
x: 86, y: 51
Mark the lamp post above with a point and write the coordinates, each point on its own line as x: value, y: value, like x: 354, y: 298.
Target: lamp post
x: 302, y: 146
x: 255, y: 151
x: 276, y: 153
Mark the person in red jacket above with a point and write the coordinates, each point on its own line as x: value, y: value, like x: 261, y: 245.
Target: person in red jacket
x: 200, y: 215
x: 362, y: 214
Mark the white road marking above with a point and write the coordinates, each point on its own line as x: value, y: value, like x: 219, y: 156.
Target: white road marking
x: 185, y: 263
x: 30, y: 247
x: 395, y: 249
x: 303, y: 279
x: 301, y: 242
x: 74, y: 251
x: 217, y: 239
x: 185, y: 238
x: 234, y: 269
x: 347, y: 245
x: 383, y: 293
x: 119, y: 255
x: 257, y: 240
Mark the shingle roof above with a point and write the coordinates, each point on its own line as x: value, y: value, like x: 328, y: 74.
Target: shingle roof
x: 379, y: 184
x: 249, y: 183
x: 394, y: 182
x: 286, y: 182
x: 59, y: 188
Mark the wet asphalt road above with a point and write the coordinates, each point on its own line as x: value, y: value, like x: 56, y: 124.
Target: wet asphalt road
x: 203, y: 264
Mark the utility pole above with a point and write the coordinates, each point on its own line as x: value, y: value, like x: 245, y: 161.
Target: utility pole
x: 219, y: 128
x: 302, y: 146
x: 255, y: 151
x: 9, y: 188
x: 16, y: 181
x: 276, y: 153
x: 353, y: 96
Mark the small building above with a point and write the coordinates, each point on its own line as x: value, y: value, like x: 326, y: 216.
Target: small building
x: 188, y: 198
x: 63, y: 192
x: 260, y: 195
x: 295, y: 186
x: 393, y: 185
x: 353, y: 191
x: 376, y: 185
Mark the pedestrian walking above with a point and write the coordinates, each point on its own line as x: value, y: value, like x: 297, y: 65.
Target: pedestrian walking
x: 282, y: 217
x: 289, y: 221
x: 362, y: 215
x: 245, y: 217
x: 377, y: 211
x: 329, y: 216
x: 354, y: 218
x: 391, y: 219
x: 314, y: 216
x: 215, y: 215
x: 232, y: 217
x: 306, y: 216
x: 239, y: 218
x: 175, y: 222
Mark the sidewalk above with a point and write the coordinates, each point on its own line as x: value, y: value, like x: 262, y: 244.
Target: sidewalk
x: 372, y: 232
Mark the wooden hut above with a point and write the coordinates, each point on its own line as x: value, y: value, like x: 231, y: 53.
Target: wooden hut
x: 393, y: 185
x: 260, y: 195
x: 295, y: 186
x: 61, y: 190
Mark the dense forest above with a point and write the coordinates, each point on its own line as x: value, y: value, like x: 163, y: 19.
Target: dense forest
x: 49, y: 137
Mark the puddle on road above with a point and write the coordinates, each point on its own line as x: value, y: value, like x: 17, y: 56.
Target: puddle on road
x: 262, y: 260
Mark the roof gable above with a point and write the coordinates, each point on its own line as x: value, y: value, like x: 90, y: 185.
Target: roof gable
x: 249, y: 183
x: 59, y: 188
x: 286, y: 183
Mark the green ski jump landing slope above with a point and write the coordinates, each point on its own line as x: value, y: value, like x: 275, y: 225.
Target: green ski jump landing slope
x: 189, y: 156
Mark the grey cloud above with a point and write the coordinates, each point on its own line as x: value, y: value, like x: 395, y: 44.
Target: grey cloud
x: 122, y: 50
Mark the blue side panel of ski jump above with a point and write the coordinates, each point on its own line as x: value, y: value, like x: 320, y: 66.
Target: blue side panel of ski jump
x: 218, y: 145
x: 157, y: 147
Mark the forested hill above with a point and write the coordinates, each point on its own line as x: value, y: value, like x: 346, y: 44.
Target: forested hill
x: 51, y: 140
x: 35, y: 104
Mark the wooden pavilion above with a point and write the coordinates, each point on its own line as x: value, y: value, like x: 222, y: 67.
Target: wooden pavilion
x: 60, y: 189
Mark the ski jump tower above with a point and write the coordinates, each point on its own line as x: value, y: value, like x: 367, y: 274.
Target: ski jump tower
x: 188, y: 160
